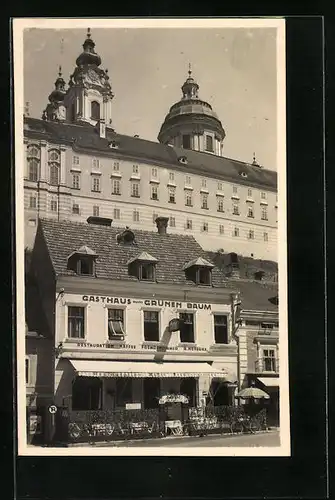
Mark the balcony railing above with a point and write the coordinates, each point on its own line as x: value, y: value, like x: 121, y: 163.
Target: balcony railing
x: 267, y: 364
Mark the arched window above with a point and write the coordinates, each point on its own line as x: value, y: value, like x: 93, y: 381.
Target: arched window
x: 95, y: 110
x: 33, y: 159
x: 54, y: 166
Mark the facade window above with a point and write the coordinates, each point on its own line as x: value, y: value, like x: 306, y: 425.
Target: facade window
x: 54, y: 167
x: 203, y: 183
x: 151, y: 326
x: 172, y: 195
x: 96, y: 184
x: 95, y: 110
x: 263, y: 195
x: 135, y: 189
x: 135, y: 169
x: 172, y: 222
x: 171, y: 176
x: 188, y: 180
x: 209, y: 143
x: 96, y: 211
x: 116, y: 166
x: 32, y: 202
x: 75, y: 209
x: 123, y: 391
x: 146, y: 271
x: 75, y: 160
x: 204, y: 227
x: 220, y: 329
x: 86, y: 394
x: 251, y: 234
x: 235, y: 189
x: 188, y: 199
x: 27, y: 370
x: 186, y: 141
x: 250, y: 212
x: 204, y: 276
x: 236, y: 232
x: 116, y: 327
x: 154, y: 173
x: 187, y: 327
x: 116, y: 213
x: 269, y: 360
x: 264, y: 215
x: 249, y: 193
x: 76, y: 322
x: 53, y: 205
x: 236, y: 209
x: 221, y: 229
x: 265, y: 236
x: 116, y: 186
x: 219, y: 186
x: 33, y: 159
x: 188, y: 224
x: 75, y: 181
x: 85, y: 266
x: 204, y: 201
x: 220, y: 204
x: 154, y: 192
x: 95, y: 163
x: 136, y: 216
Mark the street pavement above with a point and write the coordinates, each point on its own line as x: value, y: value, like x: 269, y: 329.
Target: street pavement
x: 270, y: 438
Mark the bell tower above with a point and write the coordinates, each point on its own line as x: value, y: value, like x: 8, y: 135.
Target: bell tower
x: 55, y: 110
x: 89, y: 97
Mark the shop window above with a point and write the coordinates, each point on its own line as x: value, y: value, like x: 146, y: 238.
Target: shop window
x: 186, y: 327
x: 209, y: 143
x: 116, y: 328
x: 188, y: 387
x: 220, y: 329
x: 76, y: 322
x: 151, y: 326
x: 86, y: 394
x: 186, y: 141
x: 151, y: 392
x: 124, y: 391
x: 95, y: 110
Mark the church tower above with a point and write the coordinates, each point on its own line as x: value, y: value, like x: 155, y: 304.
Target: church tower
x: 191, y: 122
x: 55, y: 110
x: 89, y: 97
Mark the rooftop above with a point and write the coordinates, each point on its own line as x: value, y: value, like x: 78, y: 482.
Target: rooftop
x: 171, y: 251
x: 86, y: 140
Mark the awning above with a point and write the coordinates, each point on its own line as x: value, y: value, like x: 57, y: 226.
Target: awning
x: 269, y: 381
x: 97, y: 368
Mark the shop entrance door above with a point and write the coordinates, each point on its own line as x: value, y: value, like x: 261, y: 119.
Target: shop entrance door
x: 151, y: 392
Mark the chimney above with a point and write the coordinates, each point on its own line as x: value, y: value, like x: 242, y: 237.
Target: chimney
x: 233, y: 266
x: 99, y: 221
x: 162, y: 223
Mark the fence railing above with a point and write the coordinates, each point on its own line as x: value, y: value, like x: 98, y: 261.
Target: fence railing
x: 105, y: 425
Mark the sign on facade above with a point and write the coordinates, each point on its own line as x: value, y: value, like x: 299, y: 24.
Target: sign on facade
x: 133, y: 406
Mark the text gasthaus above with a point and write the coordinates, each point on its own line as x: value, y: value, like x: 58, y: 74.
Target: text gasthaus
x: 146, y: 302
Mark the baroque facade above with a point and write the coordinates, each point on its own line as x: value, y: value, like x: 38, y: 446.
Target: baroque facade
x: 77, y: 165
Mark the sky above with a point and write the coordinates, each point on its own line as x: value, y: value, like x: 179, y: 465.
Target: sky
x: 234, y: 67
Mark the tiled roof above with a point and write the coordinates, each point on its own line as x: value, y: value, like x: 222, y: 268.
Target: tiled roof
x: 255, y: 295
x: 142, y: 257
x: 86, y: 139
x: 200, y: 261
x: 172, y: 251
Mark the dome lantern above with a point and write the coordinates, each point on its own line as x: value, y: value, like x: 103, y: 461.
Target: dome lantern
x: 89, y: 56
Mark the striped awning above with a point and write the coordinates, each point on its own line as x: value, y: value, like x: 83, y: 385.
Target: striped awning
x: 145, y: 369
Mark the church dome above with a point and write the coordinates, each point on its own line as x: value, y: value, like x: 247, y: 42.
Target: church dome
x: 89, y: 56
x: 190, y: 116
x: 58, y: 94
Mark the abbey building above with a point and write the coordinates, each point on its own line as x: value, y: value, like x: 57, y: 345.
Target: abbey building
x: 77, y: 165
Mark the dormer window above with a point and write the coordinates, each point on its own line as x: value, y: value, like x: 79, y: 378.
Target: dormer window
x: 199, y: 271
x: 82, y: 261
x: 143, y: 267
x: 182, y: 159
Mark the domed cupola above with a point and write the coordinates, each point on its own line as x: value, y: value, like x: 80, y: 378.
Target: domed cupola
x: 55, y: 110
x: 89, y: 56
x: 191, y: 122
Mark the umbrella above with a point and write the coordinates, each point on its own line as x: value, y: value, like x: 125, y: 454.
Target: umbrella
x: 252, y: 393
x: 173, y: 398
